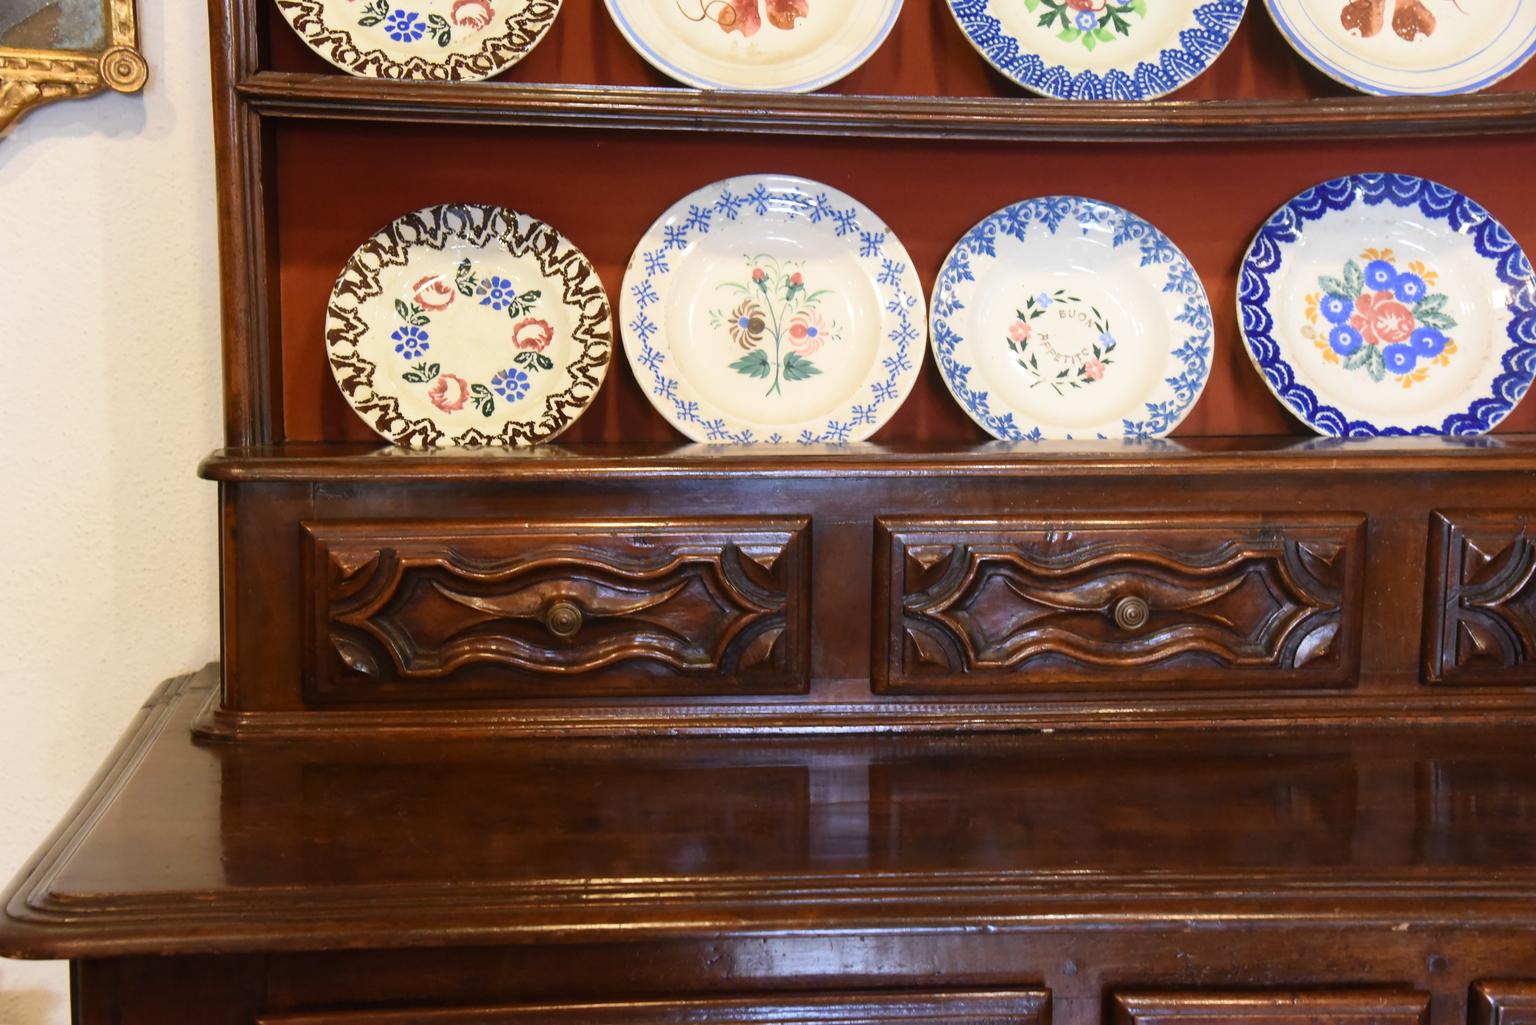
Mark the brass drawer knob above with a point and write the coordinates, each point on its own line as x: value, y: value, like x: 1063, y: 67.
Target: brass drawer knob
x: 1132, y: 613
x: 563, y: 619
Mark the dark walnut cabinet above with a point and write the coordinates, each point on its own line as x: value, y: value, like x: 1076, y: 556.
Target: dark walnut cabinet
x: 1231, y: 727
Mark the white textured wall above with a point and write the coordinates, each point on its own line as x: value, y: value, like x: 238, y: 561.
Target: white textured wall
x: 109, y: 387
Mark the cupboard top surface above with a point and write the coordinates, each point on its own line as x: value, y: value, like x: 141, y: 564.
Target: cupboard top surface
x: 385, y: 842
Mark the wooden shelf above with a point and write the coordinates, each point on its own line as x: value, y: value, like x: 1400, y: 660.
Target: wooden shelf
x: 291, y: 95
x: 1182, y: 457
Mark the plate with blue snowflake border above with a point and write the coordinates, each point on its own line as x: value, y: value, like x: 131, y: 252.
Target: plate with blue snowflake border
x: 1389, y: 304
x: 468, y: 325
x: 1065, y: 317
x: 1410, y: 47
x: 770, y: 45
x: 775, y: 309
x: 1100, y: 49
x: 431, y: 40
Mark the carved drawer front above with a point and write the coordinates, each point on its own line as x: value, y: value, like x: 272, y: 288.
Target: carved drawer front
x: 1330, y: 1007
x: 1480, y: 620
x: 1011, y: 605
x: 442, y: 610
x: 1503, y: 1003
x: 1011, y: 1007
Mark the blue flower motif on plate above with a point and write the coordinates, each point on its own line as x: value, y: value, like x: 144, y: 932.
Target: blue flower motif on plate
x: 1513, y: 368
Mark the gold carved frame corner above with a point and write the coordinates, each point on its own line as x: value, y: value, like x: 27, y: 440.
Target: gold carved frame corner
x: 31, y: 78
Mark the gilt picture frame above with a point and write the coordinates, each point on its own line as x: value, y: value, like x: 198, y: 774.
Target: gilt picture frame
x: 57, y: 50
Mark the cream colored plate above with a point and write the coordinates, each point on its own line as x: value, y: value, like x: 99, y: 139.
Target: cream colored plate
x: 782, y: 45
x: 771, y: 308
x: 468, y: 325
x: 441, y: 40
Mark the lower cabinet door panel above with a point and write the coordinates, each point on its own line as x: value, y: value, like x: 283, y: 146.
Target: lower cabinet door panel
x: 1503, y: 1003
x: 1011, y: 606
x: 451, y: 611
x: 1011, y: 1007
x: 1321, y: 1007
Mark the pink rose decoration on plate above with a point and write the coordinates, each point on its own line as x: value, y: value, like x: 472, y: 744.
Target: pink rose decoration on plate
x: 472, y: 14
x: 433, y: 293
x: 449, y: 393
x: 807, y: 332
x: 532, y: 333
x: 1382, y: 319
x: 1019, y: 330
x: 1093, y: 370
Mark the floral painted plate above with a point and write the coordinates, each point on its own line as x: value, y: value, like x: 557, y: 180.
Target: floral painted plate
x: 771, y: 308
x: 1410, y: 47
x: 1100, y: 49
x: 1064, y: 317
x: 1389, y: 304
x: 468, y: 325
x: 441, y: 40
x: 780, y: 45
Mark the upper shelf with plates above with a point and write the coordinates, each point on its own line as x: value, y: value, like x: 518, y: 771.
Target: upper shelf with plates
x: 924, y: 81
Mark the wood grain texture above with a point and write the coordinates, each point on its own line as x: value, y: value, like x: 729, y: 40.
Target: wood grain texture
x: 1480, y: 617
x: 1503, y: 1002
x: 1328, y: 1007
x: 440, y: 608
x: 1024, y: 1007
x: 1187, y: 601
x: 944, y: 840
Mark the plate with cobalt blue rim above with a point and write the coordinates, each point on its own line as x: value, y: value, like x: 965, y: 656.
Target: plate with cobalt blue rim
x: 768, y: 308
x: 770, y: 45
x: 1386, y: 304
x: 1065, y: 317
x: 1410, y: 47
x: 1100, y: 49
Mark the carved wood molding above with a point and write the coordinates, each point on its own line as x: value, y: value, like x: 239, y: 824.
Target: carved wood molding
x: 1272, y: 1007
x: 1011, y: 605
x: 1480, y: 598
x: 31, y: 78
x: 690, y: 607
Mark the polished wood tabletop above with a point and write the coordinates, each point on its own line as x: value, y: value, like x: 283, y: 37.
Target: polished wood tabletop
x: 389, y: 842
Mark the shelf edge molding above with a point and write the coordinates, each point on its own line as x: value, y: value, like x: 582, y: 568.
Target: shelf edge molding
x: 330, y: 97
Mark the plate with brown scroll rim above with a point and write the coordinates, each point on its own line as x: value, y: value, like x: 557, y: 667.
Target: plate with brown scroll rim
x: 432, y: 40
x: 468, y: 325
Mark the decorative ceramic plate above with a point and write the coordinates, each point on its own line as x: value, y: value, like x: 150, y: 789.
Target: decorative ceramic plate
x: 1064, y: 317
x: 1100, y: 49
x: 442, y: 40
x: 1388, y: 304
x: 781, y: 45
x: 771, y: 308
x: 1422, y: 47
x: 468, y: 325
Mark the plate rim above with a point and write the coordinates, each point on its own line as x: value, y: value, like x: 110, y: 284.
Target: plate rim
x: 1337, y: 74
x: 410, y: 432
x: 978, y: 9
x: 903, y: 366
x: 976, y: 404
x: 680, y: 74
x: 1483, y: 413
x: 365, y: 57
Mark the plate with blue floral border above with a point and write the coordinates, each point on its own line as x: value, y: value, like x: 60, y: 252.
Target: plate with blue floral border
x: 468, y: 325
x: 772, y: 45
x: 1100, y: 49
x: 1410, y: 47
x: 1065, y: 317
x: 768, y: 308
x: 1389, y: 304
x: 434, y: 40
